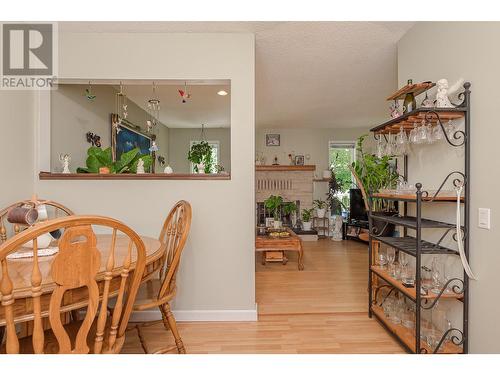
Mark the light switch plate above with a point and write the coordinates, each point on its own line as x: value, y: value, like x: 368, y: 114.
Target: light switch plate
x: 484, y: 218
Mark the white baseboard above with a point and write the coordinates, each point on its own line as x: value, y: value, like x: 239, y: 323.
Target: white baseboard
x: 199, y: 315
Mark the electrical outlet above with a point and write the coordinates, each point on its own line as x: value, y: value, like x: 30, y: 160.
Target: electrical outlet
x: 484, y: 218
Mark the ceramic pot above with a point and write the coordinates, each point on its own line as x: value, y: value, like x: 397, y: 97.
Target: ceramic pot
x: 201, y: 168
x: 320, y: 212
x: 168, y: 170
x: 306, y: 225
x: 277, y: 224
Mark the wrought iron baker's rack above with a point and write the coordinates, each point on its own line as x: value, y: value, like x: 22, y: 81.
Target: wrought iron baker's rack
x: 453, y: 340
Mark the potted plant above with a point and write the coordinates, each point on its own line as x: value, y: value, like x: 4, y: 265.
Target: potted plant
x: 273, y: 204
x: 99, y: 160
x: 306, y: 218
x: 375, y: 173
x: 200, y: 155
x: 335, y: 204
x: 320, y: 206
x: 288, y: 209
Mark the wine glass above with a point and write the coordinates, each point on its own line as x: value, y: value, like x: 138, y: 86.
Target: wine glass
x: 430, y: 133
x: 391, y: 255
x: 402, y: 142
x: 382, y: 260
x: 413, y: 134
x: 422, y: 132
x: 436, y: 276
x: 437, y: 133
x: 403, y: 260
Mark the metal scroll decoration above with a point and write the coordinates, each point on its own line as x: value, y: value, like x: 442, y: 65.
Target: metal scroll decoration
x: 458, y: 135
x: 457, y: 182
x: 458, y: 288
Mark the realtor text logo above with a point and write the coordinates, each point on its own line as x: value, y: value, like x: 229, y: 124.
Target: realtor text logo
x: 28, y: 56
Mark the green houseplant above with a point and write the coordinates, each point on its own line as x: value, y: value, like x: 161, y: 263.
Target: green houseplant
x: 288, y: 209
x: 306, y: 218
x: 376, y: 173
x: 274, y: 204
x: 200, y: 155
x: 334, y: 187
x: 320, y: 206
x: 98, y: 158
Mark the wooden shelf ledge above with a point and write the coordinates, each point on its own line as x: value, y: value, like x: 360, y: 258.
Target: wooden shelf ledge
x: 284, y: 168
x: 407, y: 335
x: 410, y: 292
x: 125, y: 176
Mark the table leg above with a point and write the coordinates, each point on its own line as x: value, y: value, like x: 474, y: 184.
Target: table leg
x: 301, y: 259
x: 263, y: 261
x: 2, y: 332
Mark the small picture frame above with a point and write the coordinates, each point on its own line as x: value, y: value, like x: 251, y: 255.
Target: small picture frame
x: 272, y: 140
x: 299, y: 160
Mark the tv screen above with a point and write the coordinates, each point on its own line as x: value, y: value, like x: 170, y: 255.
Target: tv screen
x: 357, y: 205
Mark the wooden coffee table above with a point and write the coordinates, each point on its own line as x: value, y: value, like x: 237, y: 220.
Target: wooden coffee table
x: 273, y: 248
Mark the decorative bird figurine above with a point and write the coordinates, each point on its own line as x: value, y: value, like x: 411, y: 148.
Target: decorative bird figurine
x: 89, y: 95
x: 184, y: 95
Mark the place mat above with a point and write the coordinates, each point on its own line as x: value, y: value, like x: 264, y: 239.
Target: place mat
x: 29, y: 253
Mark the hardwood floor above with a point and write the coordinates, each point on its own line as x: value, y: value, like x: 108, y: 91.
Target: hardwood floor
x: 322, y: 309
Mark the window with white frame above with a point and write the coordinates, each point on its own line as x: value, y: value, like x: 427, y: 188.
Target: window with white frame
x: 215, y: 155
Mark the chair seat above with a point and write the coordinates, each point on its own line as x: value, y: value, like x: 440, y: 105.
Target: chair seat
x: 148, y: 292
x: 50, y: 342
x: 154, y: 338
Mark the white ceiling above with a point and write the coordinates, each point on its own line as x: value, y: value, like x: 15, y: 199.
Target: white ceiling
x: 308, y: 74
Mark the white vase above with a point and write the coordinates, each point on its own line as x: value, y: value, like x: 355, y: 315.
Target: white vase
x: 201, y: 168
x: 43, y: 242
x: 320, y: 212
x: 306, y: 225
x: 168, y: 170
x: 277, y: 224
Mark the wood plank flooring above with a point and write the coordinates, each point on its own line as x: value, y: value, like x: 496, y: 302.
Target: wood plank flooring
x: 322, y: 309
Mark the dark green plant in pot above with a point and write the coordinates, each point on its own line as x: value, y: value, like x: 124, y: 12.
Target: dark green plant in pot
x: 307, y: 215
x: 375, y: 174
x: 288, y: 209
x: 201, y: 153
x: 334, y: 202
x: 98, y: 158
x: 273, y: 204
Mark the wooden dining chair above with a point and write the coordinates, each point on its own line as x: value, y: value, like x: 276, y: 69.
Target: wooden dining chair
x: 54, y: 210
x: 80, y: 275
x: 160, y: 293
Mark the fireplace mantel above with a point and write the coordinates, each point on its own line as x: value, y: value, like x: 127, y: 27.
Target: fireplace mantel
x: 284, y: 168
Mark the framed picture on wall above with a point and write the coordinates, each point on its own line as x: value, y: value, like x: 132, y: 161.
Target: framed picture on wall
x: 127, y: 138
x: 272, y: 139
x: 299, y: 160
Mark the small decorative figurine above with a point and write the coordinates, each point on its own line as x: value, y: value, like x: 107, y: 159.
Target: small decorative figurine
x: 442, y: 100
x: 140, y: 167
x: 65, y: 159
x: 184, y: 94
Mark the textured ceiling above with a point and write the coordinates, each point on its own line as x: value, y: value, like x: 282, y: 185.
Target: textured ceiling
x: 308, y: 74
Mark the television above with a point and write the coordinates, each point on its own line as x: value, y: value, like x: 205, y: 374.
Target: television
x: 357, y: 210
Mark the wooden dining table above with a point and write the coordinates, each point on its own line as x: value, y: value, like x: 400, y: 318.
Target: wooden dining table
x: 75, y: 299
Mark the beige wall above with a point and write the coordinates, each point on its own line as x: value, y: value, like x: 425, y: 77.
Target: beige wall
x: 73, y: 115
x: 217, y: 269
x: 16, y: 151
x: 307, y: 141
x: 179, y: 144
x: 430, y: 51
